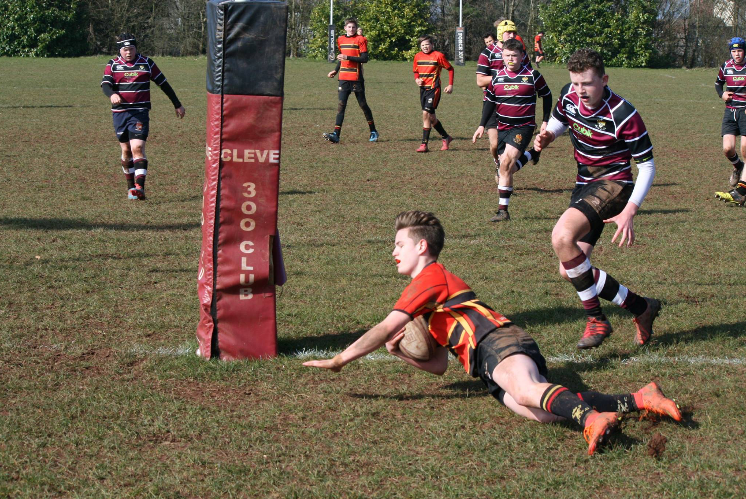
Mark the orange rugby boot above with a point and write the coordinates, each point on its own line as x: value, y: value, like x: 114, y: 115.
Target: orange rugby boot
x: 422, y: 148
x: 653, y: 400
x: 644, y: 321
x: 598, y: 426
x: 596, y: 331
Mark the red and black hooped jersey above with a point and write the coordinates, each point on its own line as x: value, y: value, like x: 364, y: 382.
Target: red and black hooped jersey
x: 351, y: 46
x: 734, y: 78
x: 131, y: 80
x: 605, y: 139
x: 514, y: 95
x: 428, y: 67
x: 456, y: 318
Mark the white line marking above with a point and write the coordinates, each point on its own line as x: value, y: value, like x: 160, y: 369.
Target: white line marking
x: 573, y: 358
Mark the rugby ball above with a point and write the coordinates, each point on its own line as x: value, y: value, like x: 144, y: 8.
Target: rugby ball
x: 417, y: 342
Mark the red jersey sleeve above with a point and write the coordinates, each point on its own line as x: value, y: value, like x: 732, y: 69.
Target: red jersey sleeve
x: 362, y: 42
x: 421, y: 296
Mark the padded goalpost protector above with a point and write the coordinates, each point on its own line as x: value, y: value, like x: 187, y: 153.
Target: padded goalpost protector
x: 240, y: 259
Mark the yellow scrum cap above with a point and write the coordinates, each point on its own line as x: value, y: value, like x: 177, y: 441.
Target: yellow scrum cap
x: 506, y: 25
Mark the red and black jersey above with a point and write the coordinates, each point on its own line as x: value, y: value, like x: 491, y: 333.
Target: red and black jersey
x: 428, y: 67
x: 351, y: 46
x: 131, y: 80
x: 734, y: 78
x: 456, y: 318
x: 514, y: 95
x: 605, y: 139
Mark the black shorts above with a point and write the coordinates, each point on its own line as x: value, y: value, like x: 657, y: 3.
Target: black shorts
x: 599, y: 201
x: 130, y: 125
x: 539, y: 53
x: 734, y: 122
x: 429, y: 99
x: 519, y: 137
x: 501, y: 344
x: 346, y: 87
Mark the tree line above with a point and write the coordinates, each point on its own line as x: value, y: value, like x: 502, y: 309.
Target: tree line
x: 629, y: 33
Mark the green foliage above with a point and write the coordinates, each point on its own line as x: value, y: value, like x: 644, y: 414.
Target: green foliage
x: 391, y: 26
x: 41, y: 28
x: 621, y: 30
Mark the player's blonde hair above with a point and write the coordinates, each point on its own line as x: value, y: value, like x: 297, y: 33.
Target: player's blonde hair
x: 423, y: 225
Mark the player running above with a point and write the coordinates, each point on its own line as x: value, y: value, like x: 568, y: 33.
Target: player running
x: 539, y: 48
x: 606, y: 132
x: 511, y: 97
x: 489, y: 63
x: 126, y: 83
x: 353, y: 54
x: 427, y: 66
x: 487, y: 344
x: 732, y: 75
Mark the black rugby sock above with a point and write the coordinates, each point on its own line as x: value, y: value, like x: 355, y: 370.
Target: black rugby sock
x: 609, y: 403
x: 560, y: 401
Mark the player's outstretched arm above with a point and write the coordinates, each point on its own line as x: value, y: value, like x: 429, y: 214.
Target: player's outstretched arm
x: 180, y: 112
x: 371, y: 341
x: 478, y: 134
x: 437, y: 364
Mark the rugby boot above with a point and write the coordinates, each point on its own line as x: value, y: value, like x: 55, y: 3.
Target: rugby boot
x: 139, y: 192
x: 332, y: 137
x: 446, y: 142
x: 735, y: 176
x: 644, y: 321
x: 731, y: 197
x: 653, y: 400
x: 422, y: 148
x: 500, y: 216
x: 535, y: 155
x: 131, y: 194
x: 596, y: 331
x: 598, y: 426
x: 373, y: 136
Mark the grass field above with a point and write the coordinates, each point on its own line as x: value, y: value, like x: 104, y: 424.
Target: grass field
x: 101, y: 395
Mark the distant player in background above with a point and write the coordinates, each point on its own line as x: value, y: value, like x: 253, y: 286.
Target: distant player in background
x: 512, y: 99
x: 489, y: 63
x: 732, y: 75
x: 486, y: 343
x: 606, y: 132
x: 126, y: 83
x: 539, y: 48
x: 489, y: 39
x: 353, y: 50
x: 427, y: 66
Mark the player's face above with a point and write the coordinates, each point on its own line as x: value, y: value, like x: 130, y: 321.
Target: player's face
x: 360, y: 32
x: 128, y: 53
x: 589, y: 87
x: 406, y: 252
x: 512, y: 59
x: 351, y: 29
x: 737, y: 55
x: 426, y: 46
x: 507, y: 35
x: 489, y: 41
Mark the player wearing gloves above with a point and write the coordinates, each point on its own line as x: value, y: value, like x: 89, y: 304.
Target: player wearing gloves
x: 486, y: 343
x: 606, y: 132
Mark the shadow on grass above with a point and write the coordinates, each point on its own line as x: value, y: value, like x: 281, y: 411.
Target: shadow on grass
x: 294, y: 192
x: 544, y: 191
x: 662, y: 212
x: 702, y: 333
x: 333, y: 342
x: 56, y: 224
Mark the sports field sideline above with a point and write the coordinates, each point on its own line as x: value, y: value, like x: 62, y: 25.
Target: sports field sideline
x: 101, y: 397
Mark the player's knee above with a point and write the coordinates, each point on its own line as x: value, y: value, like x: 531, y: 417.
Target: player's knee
x: 561, y: 238
x: 341, y: 106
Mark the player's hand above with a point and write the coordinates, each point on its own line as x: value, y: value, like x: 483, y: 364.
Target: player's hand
x: 625, y: 225
x: 543, y: 126
x: 341, y: 57
x: 180, y: 112
x: 448, y: 89
x: 392, y: 345
x: 543, y: 139
x: 419, y: 82
x: 478, y: 134
x: 727, y: 96
x: 115, y: 99
x: 331, y: 74
x: 334, y: 364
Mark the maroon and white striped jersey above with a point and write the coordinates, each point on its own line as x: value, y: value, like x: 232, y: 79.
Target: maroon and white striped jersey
x: 132, y: 81
x: 605, y: 139
x: 734, y: 78
x: 514, y: 95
